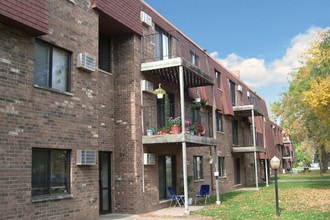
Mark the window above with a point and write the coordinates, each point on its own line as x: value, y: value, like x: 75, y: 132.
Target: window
x: 198, y: 167
x: 218, y: 80
x: 219, y: 122
x: 221, y: 166
x: 194, y: 58
x: 50, y: 171
x: 235, y: 132
x: 162, y: 45
x: 104, y: 53
x: 232, y: 92
x: 52, y: 67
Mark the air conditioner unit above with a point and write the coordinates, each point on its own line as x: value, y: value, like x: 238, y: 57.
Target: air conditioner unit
x: 86, y: 157
x: 239, y: 88
x: 147, y: 86
x: 146, y: 19
x: 86, y: 62
x: 149, y: 159
x: 248, y: 94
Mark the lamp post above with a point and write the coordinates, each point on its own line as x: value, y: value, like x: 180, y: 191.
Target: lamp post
x: 275, y: 165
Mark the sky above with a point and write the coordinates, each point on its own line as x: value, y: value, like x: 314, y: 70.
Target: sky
x: 263, y: 39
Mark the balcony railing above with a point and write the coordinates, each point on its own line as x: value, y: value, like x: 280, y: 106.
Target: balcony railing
x: 173, y: 48
x: 246, y: 139
x: 197, y: 122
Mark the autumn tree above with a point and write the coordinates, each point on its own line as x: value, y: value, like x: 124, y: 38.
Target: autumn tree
x: 304, y: 108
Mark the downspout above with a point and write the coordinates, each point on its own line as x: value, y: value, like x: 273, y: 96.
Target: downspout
x: 264, y: 138
x: 184, y: 147
x: 142, y: 149
x: 142, y: 122
x: 254, y: 145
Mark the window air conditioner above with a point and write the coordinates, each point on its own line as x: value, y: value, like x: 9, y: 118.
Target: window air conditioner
x: 86, y: 62
x: 86, y: 157
x: 146, y: 19
x: 147, y: 86
x: 149, y: 159
x: 239, y: 88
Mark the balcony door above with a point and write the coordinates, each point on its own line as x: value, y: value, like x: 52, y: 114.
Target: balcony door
x: 162, y: 45
x: 165, y: 109
x: 105, y: 182
x: 237, y: 170
x: 166, y: 172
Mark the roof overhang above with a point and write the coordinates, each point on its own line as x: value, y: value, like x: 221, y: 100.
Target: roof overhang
x: 246, y: 111
x: 168, y: 70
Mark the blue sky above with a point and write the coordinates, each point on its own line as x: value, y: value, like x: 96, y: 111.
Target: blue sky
x: 263, y: 39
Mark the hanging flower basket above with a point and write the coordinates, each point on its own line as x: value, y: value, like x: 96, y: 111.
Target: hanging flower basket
x: 210, y: 159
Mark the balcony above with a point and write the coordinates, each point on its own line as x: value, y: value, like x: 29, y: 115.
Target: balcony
x: 164, y: 63
x: 192, y: 136
x: 246, y: 145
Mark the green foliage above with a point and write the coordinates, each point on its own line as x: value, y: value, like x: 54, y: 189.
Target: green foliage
x: 304, y: 153
x: 304, y: 109
x: 303, y: 201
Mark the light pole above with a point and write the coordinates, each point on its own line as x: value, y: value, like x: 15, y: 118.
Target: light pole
x: 275, y: 165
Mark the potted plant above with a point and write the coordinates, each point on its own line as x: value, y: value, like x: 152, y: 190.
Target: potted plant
x: 150, y: 131
x: 196, y: 106
x: 164, y: 130
x: 203, y: 101
x: 200, y: 130
x: 187, y: 124
x: 210, y: 159
x: 174, y: 124
x: 193, y: 130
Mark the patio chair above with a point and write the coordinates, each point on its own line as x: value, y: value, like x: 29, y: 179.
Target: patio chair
x: 204, y: 192
x: 178, y: 199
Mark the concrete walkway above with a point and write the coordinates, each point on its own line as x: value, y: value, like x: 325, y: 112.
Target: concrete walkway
x: 167, y: 213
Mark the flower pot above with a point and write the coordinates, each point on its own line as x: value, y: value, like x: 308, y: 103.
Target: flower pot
x: 175, y: 129
x: 150, y: 132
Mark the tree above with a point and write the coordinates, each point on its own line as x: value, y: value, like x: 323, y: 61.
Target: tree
x: 304, y: 108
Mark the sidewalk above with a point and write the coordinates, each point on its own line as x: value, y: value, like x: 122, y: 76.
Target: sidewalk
x: 167, y: 213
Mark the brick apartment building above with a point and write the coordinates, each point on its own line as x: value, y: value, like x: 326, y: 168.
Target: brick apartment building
x: 77, y: 81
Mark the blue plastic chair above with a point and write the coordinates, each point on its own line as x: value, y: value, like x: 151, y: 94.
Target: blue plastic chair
x: 178, y: 199
x: 204, y: 192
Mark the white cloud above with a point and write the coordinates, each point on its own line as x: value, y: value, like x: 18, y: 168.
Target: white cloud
x: 256, y: 73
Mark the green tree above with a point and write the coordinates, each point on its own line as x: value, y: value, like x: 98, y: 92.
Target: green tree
x: 304, y: 109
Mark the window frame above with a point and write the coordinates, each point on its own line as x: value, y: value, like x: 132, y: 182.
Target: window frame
x: 219, y: 121
x: 48, y: 72
x: 47, y: 178
x: 235, y: 132
x: 162, y: 44
x: 104, y: 54
x: 198, y: 168
x: 232, y: 88
x: 218, y: 78
x: 194, y: 58
x: 221, y: 166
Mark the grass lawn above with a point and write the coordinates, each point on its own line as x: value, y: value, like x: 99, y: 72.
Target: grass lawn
x: 301, y: 200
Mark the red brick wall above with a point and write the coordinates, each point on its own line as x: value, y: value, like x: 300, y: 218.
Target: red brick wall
x: 29, y: 15
x: 32, y: 117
